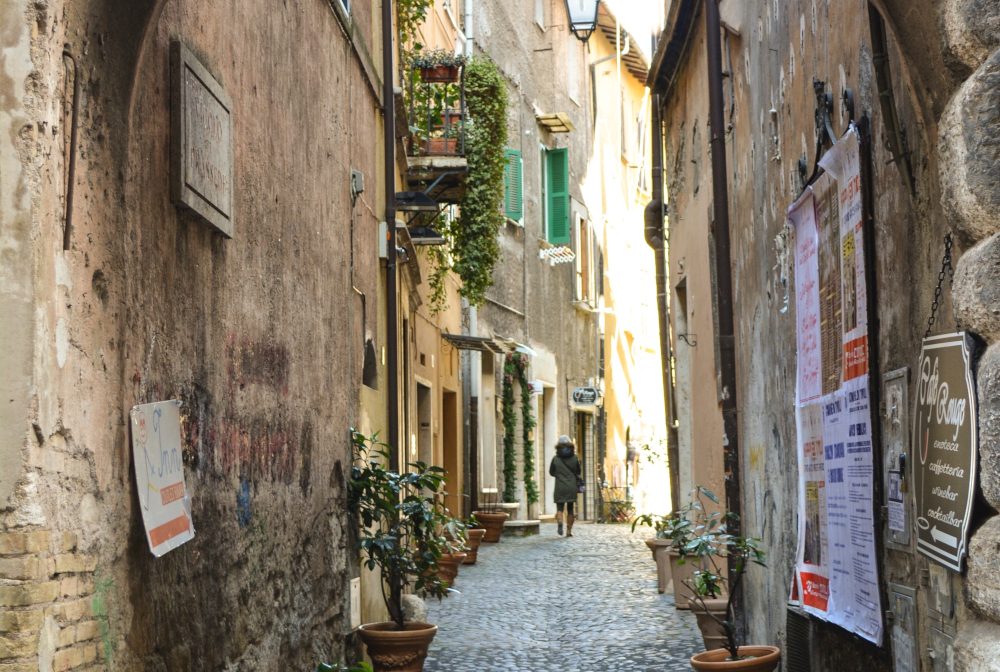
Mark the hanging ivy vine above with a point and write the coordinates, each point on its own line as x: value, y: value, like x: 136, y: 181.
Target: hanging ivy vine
x: 473, y: 238
x: 516, y: 365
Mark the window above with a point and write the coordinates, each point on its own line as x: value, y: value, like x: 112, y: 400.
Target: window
x: 557, y: 196
x: 346, y: 4
x: 584, y: 261
x: 513, y: 183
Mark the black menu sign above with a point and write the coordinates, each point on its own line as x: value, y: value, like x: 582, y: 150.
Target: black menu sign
x: 945, y: 447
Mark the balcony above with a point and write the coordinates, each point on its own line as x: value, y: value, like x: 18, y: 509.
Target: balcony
x: 434, y: 143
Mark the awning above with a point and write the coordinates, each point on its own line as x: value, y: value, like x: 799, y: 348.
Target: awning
x: 478, y: 343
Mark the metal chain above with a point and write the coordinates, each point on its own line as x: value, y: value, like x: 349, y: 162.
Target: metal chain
x: 946, y: 267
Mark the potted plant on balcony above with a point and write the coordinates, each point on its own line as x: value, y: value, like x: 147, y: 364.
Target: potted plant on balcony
x: 714, y: 608
x: 401, y: 535
x: 438, y: 65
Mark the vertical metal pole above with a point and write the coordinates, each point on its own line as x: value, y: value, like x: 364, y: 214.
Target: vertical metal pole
x: 724, y: 272
x: 391, y: 327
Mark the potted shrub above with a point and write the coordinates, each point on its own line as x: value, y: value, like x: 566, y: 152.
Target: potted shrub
x: 491, y: 517
x: 455, y: 533
x: 673, y: 532
x: 438, y: 65
x: 474, y: 537
x: 400, y: 534
x: 711, y: 605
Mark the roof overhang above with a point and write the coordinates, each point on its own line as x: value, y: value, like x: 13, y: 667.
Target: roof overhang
x: 634, y: 59
x: 477, y: 343
x: 673, y: 45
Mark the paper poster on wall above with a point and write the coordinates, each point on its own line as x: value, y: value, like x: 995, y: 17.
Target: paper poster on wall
x: 159, y: 475
x: 836, y: 572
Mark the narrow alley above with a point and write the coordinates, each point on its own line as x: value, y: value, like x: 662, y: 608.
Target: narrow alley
x: 551, y: 603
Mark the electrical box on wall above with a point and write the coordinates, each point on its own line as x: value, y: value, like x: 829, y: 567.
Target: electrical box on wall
x: 897, y: 469
x: 383, y: 241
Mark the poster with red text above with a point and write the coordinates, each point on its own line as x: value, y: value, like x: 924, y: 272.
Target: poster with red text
x: 836, y: 576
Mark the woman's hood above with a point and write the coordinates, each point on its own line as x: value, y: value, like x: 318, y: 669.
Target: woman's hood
x: 564, y: 450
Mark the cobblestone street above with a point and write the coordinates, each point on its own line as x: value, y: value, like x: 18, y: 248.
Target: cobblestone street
x: 552, y: 604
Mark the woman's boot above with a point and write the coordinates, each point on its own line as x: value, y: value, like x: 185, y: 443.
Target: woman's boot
x: 559, y: 529
x: 569, y: 524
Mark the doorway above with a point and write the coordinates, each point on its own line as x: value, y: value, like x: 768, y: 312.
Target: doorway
x: 547, y: 437
x: 682, y: 350
x: 452, y: 464
x: 425, y: 439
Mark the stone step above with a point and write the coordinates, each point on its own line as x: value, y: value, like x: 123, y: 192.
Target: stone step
x: 521, y: 528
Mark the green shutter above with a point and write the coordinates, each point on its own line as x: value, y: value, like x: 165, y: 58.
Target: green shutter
x: 513, y: 203
x: 558, y: 182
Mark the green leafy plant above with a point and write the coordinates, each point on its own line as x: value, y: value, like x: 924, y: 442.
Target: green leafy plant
x: 403, y: 524
x: 436, y: 57
x: 360, y: 667
x: 698, y: 534
x: 516, y: 366
x: 411, y: 14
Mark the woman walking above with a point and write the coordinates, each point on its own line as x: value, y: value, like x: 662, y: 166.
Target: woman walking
x: 565, y: 467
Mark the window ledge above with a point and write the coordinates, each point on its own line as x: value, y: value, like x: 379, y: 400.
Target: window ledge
x: 584, y: 306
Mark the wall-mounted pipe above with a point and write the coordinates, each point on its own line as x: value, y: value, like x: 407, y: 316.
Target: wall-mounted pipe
x: 71, y: 173
x: 656, y: 239
x: 391, y: 323
x: 724, y: 272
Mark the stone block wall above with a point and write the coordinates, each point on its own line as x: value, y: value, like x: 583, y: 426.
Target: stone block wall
x: 969, y: 150
x: 52, y: 612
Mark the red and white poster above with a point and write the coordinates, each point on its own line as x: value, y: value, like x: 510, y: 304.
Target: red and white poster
x: 836, y: 574
x: 159, y: 475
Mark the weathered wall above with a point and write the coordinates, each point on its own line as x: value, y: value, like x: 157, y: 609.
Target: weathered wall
x: 533, y: 59
x: 780, y: 49
x: 255, y: 335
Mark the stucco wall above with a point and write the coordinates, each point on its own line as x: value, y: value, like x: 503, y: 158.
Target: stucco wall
x: 780, y: 49
x: 256, y: 335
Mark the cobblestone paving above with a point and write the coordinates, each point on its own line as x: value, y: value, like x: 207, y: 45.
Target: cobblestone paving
x: 552, y: 604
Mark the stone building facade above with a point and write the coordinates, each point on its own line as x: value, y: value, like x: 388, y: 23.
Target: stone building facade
x: 936, y: 176
x: 261, y: 336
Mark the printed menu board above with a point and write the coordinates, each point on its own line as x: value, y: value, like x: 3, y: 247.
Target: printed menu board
x: 836, y: 575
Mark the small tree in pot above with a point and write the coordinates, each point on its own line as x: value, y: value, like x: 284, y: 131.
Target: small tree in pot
x: 400, y: 535
x: 710, y: 586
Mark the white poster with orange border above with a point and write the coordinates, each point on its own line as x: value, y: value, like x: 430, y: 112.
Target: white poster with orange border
x: 159, y: 475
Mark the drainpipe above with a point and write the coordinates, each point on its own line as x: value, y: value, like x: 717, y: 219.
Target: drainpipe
x: 470, y: 39
x: 655, y: 237
x: 724, y: 271
x: 391, y: 326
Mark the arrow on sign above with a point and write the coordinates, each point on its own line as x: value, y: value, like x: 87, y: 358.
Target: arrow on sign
x: 941, y: 537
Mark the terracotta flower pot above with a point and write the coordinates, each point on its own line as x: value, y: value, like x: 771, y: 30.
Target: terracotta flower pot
x: 493, y: 524
x: 394, y: 650
x: 473, y: 542
x: 439, y: 73
x: 712, y: 632
x: 659, y: 547
x: 680, y: 573
x: 448, y: 567
x: 765, y: 659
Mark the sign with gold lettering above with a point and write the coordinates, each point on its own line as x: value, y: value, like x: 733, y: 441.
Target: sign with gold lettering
x: 946, y: 447
x: 201, y: 149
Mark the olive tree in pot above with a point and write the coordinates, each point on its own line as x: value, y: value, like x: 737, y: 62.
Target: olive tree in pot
x: 711, y: 605
x: 400, y: 535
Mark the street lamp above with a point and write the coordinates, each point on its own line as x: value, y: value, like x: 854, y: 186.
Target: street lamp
x: 582, y: 17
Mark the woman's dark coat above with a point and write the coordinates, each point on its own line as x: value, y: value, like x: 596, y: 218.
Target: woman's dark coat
x: 566, y: 468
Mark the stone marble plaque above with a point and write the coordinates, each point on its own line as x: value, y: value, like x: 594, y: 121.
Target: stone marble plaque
x: 201, y: 147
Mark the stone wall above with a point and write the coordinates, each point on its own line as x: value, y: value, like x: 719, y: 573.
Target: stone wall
x: 260, y: 336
